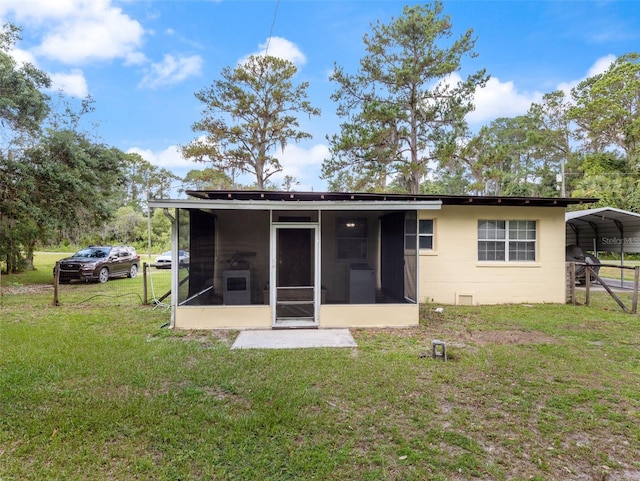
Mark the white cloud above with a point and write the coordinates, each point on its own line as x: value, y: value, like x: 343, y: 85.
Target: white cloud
x: 80, y: 31
x: 77, y: 40
x: 500, y: 99
x: 76, y: 31
x: 169, y: 158
x: 22, y: 56
x: 171, y: 70
x: 281, y: 48
x: 600, y: 66
x: 303, y: 164
x: 496, y: 99
x: 39, y: 10
x: 503, y: 99
x: 72, y: 83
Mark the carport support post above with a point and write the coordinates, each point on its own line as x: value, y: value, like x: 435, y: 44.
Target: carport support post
x: 621, y: 230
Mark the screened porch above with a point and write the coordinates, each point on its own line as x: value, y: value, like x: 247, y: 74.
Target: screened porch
x: 312, y: 257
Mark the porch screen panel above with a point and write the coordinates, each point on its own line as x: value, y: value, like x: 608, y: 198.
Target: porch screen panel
x: 201, y: 227
x: 242, y: 257
x: 410, y: 256
x: 392, y: 256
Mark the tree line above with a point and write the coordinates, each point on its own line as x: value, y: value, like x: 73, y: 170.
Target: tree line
x: 58, y: 184
x: 404, y: 128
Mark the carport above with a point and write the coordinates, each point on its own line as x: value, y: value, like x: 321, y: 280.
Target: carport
x: 605, y: 229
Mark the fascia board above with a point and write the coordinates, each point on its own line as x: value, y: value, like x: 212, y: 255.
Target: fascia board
x: 294, y: 205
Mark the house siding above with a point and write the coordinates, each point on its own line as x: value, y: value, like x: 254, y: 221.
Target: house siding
x: 223, y: 317
x: 452, y: 274
x: 369, y: 315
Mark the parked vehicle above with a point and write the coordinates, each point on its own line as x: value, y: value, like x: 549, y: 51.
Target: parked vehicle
x: 99, y: 263
x: 163, y: 261
x: 576, y: 254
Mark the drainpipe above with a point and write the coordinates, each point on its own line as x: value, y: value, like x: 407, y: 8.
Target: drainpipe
x: 174, y: 263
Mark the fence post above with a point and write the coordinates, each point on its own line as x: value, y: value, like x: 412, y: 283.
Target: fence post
x: 587, y: 284
x: 572, y: 282
x: 56, y: 282
x: 144, y: 284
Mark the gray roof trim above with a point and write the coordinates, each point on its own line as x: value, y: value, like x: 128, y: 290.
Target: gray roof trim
x: 358, y: 197
x: 297, y: 205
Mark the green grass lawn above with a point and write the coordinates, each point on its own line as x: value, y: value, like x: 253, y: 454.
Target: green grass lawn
x: 530, y: 392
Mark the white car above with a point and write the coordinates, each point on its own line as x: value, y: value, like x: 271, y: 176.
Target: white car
x: 163, y: 261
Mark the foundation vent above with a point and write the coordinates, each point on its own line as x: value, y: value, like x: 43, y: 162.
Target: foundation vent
x: 464, y: 300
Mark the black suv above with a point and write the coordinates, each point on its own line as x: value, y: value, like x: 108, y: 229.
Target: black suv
x: 99, y: 263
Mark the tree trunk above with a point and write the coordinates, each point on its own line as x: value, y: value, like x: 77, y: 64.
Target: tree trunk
x: 414, y: 181
x: 260, y: 175
x: 29, y: 256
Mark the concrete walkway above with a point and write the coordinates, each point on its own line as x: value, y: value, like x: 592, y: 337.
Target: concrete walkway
x: 294, y: 339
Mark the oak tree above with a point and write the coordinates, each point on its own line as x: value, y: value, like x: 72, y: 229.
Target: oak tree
x: 23, y: 107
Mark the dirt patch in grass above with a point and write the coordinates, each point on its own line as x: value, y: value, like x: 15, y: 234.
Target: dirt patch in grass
x: 27, y: 289
x: 207, y: 337
x: 462, y: 336
x: 510, y: 337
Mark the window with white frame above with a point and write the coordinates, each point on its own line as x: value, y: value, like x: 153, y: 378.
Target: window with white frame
x: 425, y: 234
x: 351, y: 238
x: 507, y: 240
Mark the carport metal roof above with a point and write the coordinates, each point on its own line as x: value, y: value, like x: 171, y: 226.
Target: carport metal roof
x: 604, y: 229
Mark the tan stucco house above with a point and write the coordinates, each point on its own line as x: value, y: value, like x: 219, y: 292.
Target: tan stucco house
x: 263, y: 259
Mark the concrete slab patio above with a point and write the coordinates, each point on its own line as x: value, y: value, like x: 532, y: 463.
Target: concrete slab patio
x: 294, y: 339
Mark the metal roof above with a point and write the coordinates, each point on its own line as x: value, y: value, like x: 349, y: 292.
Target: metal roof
x: 603, y: 213
x: 604, y: 229
x: 262, y: 195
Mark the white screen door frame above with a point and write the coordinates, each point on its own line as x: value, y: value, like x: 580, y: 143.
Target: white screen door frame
x: 294, y: 276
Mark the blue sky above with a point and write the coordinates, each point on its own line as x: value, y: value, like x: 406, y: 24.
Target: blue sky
x: 142, y: 60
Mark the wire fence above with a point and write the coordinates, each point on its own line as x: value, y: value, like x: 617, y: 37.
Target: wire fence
x: 150, y: 286
x: 586, y: 283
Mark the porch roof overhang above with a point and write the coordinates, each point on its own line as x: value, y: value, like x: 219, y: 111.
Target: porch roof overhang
x: 274, y: 200
x: 300, y: 205
x: 297, y: 204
